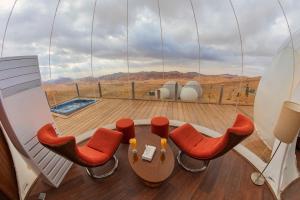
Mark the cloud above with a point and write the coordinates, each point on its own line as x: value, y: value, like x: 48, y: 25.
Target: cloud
x: 262, y: 25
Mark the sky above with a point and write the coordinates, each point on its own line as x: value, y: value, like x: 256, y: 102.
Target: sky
x: 262, y: 24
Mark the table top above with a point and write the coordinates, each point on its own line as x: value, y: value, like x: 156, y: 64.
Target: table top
x: 158, y: 169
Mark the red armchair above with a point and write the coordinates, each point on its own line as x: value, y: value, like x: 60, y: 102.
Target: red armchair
x: 98, y: 150
x: 198, y: 146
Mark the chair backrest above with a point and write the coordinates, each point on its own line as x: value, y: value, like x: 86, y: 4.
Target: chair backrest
x: 64, y: 145
x: 241, y: 129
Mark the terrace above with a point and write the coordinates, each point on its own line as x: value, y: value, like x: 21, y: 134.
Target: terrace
x: 107, y: 111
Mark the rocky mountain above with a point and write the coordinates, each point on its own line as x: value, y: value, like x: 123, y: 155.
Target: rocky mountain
x: 153, y: 75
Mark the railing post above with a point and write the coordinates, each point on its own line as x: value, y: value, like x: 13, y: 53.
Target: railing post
x: 132, y: 90
x: 221, y: 94
x: 100, y: 90
x: 210, y: 91
x: 158, y: 94
x: 247, y: 90
x: 77, y: 89
x: 176, y: 91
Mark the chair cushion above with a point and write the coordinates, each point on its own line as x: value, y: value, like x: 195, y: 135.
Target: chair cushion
x: 92, y: 156
x: 106, y: 141
x: 195, y: 144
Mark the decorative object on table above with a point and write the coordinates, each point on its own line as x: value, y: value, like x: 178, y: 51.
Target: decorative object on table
x: 160, y: 126
x: 96, y: 152
x: 286, y: 129
x: 198, y: 146
x: 126, y: 126
x: 149, y: 153
x: 163, y: 142
x: 133, y: 144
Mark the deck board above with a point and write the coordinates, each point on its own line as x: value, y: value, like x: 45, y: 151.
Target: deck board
x: 213, y: 116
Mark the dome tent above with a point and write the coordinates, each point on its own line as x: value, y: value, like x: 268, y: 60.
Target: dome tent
x: 191, y: 91
x: 171, y: 85
x: 279, y: 82
x: 164, y: 93
x: 195, y: 85
x: 188, y: 94
x: 277, y: 85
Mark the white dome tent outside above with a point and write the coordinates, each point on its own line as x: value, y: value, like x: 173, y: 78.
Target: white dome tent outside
x: 171, y: 86
x: 164, y: 93
x: 188, y: 94
x: 191, y: 91
x: 196, y: 86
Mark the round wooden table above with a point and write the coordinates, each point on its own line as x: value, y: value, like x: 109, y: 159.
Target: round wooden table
x: 159, y: 169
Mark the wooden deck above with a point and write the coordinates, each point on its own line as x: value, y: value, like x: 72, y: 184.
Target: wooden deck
x: 106, y: 111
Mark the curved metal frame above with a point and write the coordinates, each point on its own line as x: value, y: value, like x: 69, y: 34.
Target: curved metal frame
x: 203, y: 168
x: 161, y: 40
x: 92, y: 37
x: 198, y: 37
x: 293, y: 48
x: 93, y: 175
x: 242, y: 54
x: 50, y: 39
x: 6, y: 27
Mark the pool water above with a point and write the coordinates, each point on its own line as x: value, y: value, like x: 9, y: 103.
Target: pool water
x: 71, y: 106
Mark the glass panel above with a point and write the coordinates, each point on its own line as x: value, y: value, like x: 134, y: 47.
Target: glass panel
x: 146, y: 90
x: 88, y: 90
x: 115, y: 90
x: 59, y: 93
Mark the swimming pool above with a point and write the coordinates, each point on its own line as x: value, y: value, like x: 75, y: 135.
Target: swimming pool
x: 71, y: 106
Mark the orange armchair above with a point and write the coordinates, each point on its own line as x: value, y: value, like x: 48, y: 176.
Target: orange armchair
x: 198, y: 146
x: 98, y: 150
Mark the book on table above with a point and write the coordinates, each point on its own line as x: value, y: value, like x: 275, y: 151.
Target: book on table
x: 148, y: 152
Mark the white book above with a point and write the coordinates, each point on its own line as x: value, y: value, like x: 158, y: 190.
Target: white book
x: 148, y: 152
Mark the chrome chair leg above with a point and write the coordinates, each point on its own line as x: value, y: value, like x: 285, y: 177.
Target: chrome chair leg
x: 93, y: 175
x: 203, y: 168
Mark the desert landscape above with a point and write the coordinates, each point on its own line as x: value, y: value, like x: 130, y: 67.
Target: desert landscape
x: 146, y: 83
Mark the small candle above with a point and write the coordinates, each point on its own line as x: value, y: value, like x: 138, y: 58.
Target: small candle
x: 163, y: 142
x: 132, y: 142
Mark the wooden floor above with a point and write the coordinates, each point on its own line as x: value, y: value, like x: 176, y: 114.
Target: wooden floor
x: 216, y: 117
x: 227, y: 177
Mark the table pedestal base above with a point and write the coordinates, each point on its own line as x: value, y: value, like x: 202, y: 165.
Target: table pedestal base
x: 152, y: 185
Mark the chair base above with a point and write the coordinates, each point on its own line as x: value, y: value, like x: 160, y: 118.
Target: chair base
x: 93, y: 175
x: 203, y: 168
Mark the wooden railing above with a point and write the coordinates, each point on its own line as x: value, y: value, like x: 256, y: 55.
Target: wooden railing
x: 224, y: 93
